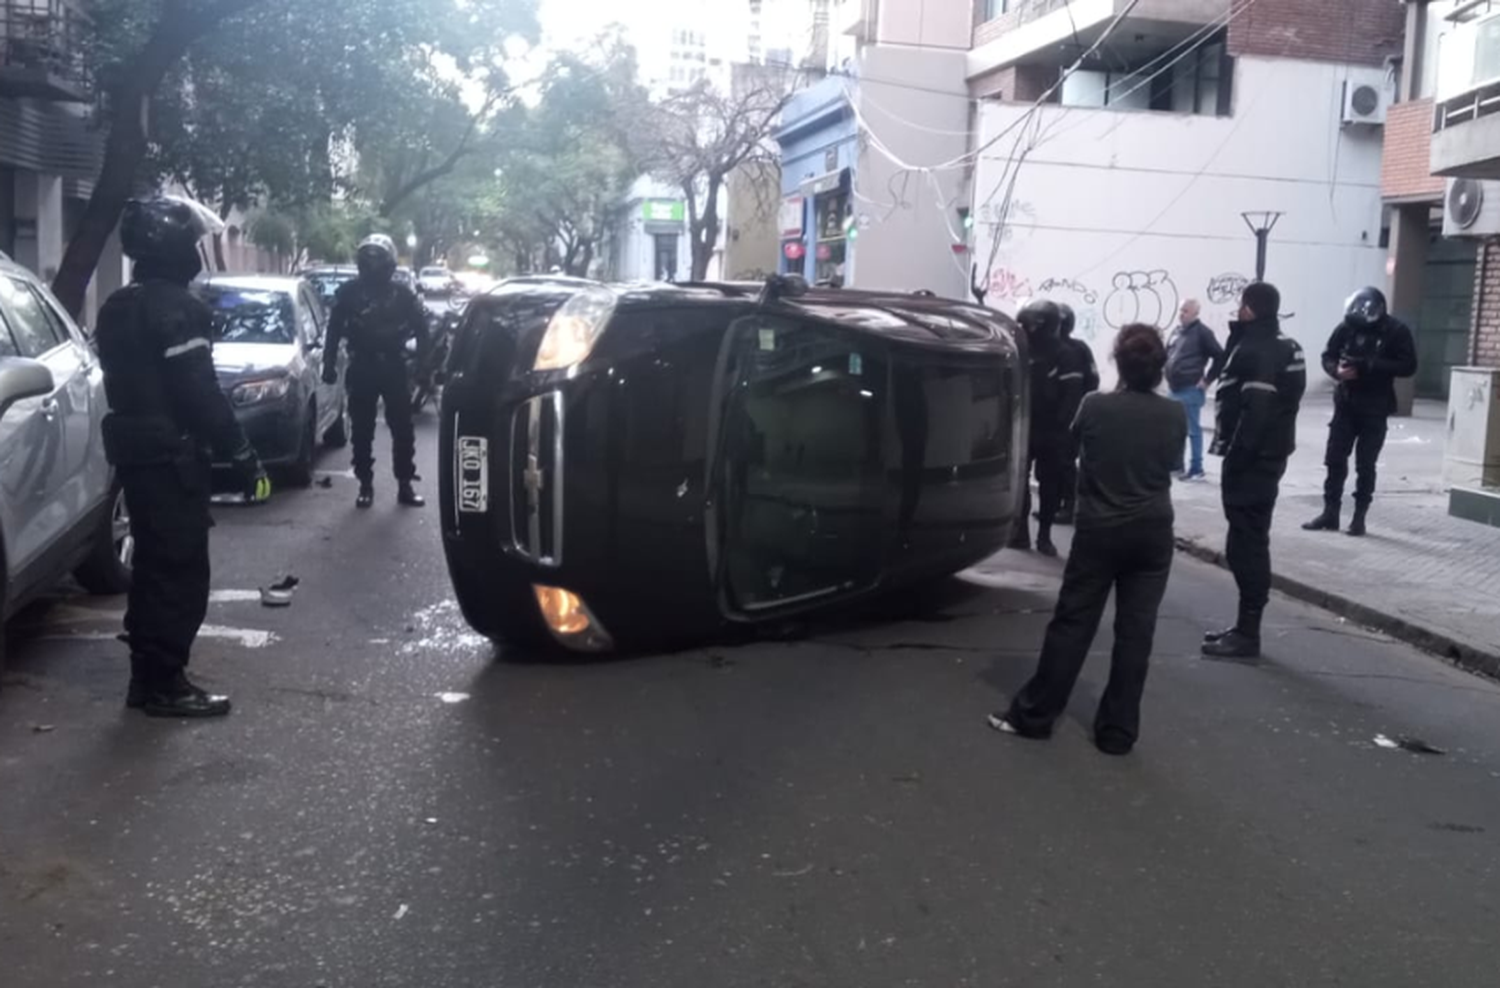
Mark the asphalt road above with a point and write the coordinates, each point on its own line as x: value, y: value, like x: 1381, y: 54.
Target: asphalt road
x: 392, y: 805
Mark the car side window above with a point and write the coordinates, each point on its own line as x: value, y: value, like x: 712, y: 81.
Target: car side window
x: 35, y: 334
x: 312, y: 331
x: 61, y: 324
x: 7, y: 342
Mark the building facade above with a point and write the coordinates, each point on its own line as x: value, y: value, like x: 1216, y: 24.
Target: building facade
x: 865, y: 202
x: 1136, y: 181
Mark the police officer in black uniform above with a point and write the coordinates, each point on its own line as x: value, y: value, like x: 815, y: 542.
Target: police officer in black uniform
x: 1078, y: 377
x: 1042, y: 324
x: 378, y: 317
x: 1260, y: 392
x: 1365, y: 355
x: 168, y: 418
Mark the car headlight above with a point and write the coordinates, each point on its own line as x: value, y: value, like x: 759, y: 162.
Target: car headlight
x: 571, y: 622
x: 574, y: 330
x: 260, y: 392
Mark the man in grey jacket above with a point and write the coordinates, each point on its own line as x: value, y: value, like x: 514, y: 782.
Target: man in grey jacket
x: 1194, y: 360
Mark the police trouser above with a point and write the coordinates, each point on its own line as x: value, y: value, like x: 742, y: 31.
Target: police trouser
x: 1068, y: 474
x: 1048, y: 457
x: 1134, y: 561
x: 370, y: 381
x: 1363, y: 434
x: 1249, y: 494
x: 168, y: 600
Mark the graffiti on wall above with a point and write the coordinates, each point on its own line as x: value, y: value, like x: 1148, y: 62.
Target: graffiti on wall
x: 1226, y: 289
x: 1149, y: 297
x: 1007, y: 285
x: 1083, y: 300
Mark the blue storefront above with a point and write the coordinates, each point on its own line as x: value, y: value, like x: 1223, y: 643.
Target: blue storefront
x: 819, y: 152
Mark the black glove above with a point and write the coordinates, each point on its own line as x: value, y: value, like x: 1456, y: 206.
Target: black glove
x: 331, y: 374
x: 254, y: 480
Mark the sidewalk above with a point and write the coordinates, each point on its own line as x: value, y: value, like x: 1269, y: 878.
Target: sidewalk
x: 1420, y: 575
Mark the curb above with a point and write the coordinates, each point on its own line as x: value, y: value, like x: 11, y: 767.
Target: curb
x: 1462, y: 654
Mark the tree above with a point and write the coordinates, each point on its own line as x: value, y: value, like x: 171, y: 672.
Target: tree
x: 698, y: 138
x: 266, y: 104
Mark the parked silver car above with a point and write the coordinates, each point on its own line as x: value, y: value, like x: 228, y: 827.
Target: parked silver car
x: 60, y: 509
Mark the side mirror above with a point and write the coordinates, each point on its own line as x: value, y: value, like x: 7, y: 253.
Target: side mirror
x: 21, y: 379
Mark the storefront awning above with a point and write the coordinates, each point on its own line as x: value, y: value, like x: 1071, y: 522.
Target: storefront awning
x: 835, y: 181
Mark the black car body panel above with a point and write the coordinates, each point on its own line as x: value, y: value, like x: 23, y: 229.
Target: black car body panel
x: 718, y: 461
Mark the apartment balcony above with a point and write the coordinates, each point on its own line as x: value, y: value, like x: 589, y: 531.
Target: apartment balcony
x: 1055, y: 32
x: 42, y: 50
x: 1466, y: 119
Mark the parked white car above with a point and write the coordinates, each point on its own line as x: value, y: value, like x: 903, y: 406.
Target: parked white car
x: 60, y: 509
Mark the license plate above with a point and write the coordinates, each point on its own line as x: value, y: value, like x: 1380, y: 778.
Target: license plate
x: 473, y: 475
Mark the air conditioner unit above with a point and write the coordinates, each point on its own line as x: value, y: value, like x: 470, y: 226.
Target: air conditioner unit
x: 1365, y: 103
x: 1471, y: 208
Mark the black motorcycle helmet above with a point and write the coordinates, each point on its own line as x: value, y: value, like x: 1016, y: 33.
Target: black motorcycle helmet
x: 1365, y: 308
x: 376, y: 259
x: 1068, y: 320
x: 1042, y: 321
x: 165, y: 228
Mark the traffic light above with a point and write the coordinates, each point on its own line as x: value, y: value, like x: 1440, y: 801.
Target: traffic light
x: 965, y: 218
x: 851, y: 228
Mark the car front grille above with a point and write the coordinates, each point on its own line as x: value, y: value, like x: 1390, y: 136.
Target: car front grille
x: 536, y: 479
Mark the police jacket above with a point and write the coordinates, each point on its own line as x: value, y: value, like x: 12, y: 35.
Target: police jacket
x: 1380, y: 353
x: 1077, y: 377
x: 1259, y: 394
x: 376, y: 321
x: 155, y: 347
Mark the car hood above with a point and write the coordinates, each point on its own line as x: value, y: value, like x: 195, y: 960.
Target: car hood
x: 234, y: 361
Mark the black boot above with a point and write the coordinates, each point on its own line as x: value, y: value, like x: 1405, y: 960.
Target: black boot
x: 1240, y: 642
x: 408, y: 497
x: 1328, y: 521
x: 1044, y: 544
x: 179, y: 698
x: 366, y: 495
x: 1210, y: 637
x: 1357, y: 523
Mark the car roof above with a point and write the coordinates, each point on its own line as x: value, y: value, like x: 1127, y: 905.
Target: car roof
x: 917, y: 317
x: 330, y: 269
x: 286, y: 284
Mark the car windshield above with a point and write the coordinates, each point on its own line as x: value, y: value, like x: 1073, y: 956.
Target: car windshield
x: 243, y: 315
x: 434, y: 272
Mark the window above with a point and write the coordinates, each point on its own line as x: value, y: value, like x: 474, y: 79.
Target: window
x: 35, y: 333
x: 7, y: 343
x: 244, y: 316
x: 61, y: 324
x: 1196, y: 81
x: 994, y: 8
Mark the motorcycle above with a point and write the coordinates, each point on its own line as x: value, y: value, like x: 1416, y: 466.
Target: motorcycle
x: 425, y: 371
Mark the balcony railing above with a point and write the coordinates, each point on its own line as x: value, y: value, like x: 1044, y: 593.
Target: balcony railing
x: 42, y: 46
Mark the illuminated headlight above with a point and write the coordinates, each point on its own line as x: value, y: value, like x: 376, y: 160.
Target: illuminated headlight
x: 574, y: 330
x: 570, y: 620
x: 260, y: 392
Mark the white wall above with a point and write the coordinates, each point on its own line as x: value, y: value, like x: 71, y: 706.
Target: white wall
x: 1122, y: 214
x: 940, y: 23
x: 907, y: 225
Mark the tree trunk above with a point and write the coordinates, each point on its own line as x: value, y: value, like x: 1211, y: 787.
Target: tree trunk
x: 705, y: 232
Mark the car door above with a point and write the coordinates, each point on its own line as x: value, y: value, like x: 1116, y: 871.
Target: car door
x: 314, y: 332
x: 34, y: 465
x: 89, y: 475
x: 801, y: 463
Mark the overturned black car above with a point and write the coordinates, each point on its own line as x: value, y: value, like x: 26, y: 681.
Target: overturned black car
x: 625, y: 465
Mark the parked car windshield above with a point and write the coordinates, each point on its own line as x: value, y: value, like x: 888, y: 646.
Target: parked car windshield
x: 245, y: 316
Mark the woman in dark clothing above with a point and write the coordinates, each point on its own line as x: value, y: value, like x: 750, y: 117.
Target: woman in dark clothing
x: 1130, y: 441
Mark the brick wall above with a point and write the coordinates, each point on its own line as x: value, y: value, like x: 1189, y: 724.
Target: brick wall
x: 1406, y: 165
x: 1362, y: 32
x: 1486, y: 328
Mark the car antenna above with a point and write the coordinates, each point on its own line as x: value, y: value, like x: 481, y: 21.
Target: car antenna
x: 780, y: 286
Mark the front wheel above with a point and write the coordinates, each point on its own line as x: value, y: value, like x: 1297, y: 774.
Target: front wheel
x: 106, y: 571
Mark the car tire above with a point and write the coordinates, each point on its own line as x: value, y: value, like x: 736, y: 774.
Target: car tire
x: 106, y: 570
x: 337, y: 436
x: 300, y: 472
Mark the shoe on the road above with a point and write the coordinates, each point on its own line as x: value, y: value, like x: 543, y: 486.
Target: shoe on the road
x: 998, y: 721
x: 1194, y: 475
x: 1044, y: 546
x: 1357, y: 524
x: 1235, y: 645
x: 1112, y: 741
x: 1328, y: 521
x: 183, y: 700
x: 366, y: 496
x: 1210, y: 637
x: 409, y: 498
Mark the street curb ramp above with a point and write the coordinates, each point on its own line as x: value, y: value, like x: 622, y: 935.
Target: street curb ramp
x: 1465, y: 655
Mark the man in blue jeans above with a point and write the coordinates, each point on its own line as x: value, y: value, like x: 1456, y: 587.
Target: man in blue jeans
x: 1194, y: 360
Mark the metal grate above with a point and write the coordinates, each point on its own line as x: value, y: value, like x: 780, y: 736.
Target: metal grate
x: 42, y: 45
x: 536, y: 479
